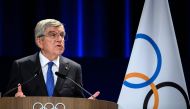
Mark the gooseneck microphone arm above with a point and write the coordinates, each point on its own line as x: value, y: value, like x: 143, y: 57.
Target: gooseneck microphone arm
x: 25, y: 82
x: 64, y: 76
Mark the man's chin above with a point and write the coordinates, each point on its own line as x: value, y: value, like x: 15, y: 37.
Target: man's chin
x: 60, y: 52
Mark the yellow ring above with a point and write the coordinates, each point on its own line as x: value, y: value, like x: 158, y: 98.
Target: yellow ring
x: 155, y: 91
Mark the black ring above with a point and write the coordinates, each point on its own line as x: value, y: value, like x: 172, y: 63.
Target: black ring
x: 171, y: 84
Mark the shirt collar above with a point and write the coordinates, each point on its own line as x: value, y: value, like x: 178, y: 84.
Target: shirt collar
x: 44, y: 60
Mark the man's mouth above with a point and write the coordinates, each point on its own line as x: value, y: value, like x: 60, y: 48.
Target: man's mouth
x: 59, y: 46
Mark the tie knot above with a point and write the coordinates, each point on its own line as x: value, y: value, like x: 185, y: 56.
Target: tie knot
x: 50, y: 64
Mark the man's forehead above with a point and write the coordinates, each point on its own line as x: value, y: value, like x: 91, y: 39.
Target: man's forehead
x: 55, y: 29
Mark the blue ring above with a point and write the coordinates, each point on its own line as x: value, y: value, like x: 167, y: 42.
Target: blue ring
x: 159, y: 62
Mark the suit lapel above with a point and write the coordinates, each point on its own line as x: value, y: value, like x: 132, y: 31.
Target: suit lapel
x: 42, y: 85
x: 60, y: 82
x: 40, y: 82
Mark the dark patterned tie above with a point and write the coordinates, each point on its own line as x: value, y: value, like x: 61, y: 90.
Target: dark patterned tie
x: 50, y: 79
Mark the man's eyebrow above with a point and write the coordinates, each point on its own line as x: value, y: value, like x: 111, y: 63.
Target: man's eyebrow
x: 55, y: 32
x: 51, y: 32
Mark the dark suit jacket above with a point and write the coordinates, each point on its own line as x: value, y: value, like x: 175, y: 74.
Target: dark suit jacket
x: 25, y: 68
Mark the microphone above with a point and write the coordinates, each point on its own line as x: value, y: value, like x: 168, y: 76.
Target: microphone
x: 25, y: 82
x: 64, y: 76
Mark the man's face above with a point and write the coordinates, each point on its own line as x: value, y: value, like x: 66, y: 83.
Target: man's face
x: 52, y: 43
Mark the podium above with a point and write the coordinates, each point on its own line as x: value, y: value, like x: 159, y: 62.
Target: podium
x: 54, y: 103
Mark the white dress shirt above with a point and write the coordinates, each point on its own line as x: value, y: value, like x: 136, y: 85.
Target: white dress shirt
x: 44, y: 65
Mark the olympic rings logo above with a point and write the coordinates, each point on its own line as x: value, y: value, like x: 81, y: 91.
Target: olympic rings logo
x: 48, y: 105
x: 149, y: 81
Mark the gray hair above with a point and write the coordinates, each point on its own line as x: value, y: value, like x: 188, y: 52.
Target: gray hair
x: 43, y: 24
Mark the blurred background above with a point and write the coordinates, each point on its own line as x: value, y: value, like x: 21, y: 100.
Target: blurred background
x: 100, y: 36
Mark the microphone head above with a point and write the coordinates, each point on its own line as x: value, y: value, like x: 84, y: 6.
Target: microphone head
x: 60, y: 75
x: 37, y: 73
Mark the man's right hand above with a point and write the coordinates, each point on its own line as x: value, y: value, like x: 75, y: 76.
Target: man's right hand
x: 19, y: 91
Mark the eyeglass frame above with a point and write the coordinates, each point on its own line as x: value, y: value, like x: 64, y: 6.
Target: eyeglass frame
x: 54, y: 36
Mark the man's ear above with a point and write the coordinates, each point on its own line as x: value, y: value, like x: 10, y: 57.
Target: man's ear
x: 38, y: 42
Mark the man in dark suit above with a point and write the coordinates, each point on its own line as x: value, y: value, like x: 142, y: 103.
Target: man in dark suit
x: 49, y: 37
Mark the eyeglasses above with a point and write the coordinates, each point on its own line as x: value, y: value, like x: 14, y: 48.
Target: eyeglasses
x: 54, y: 35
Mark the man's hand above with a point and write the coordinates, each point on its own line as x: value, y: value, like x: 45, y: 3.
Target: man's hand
x: 19, y: 91
x: 93, y: 97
